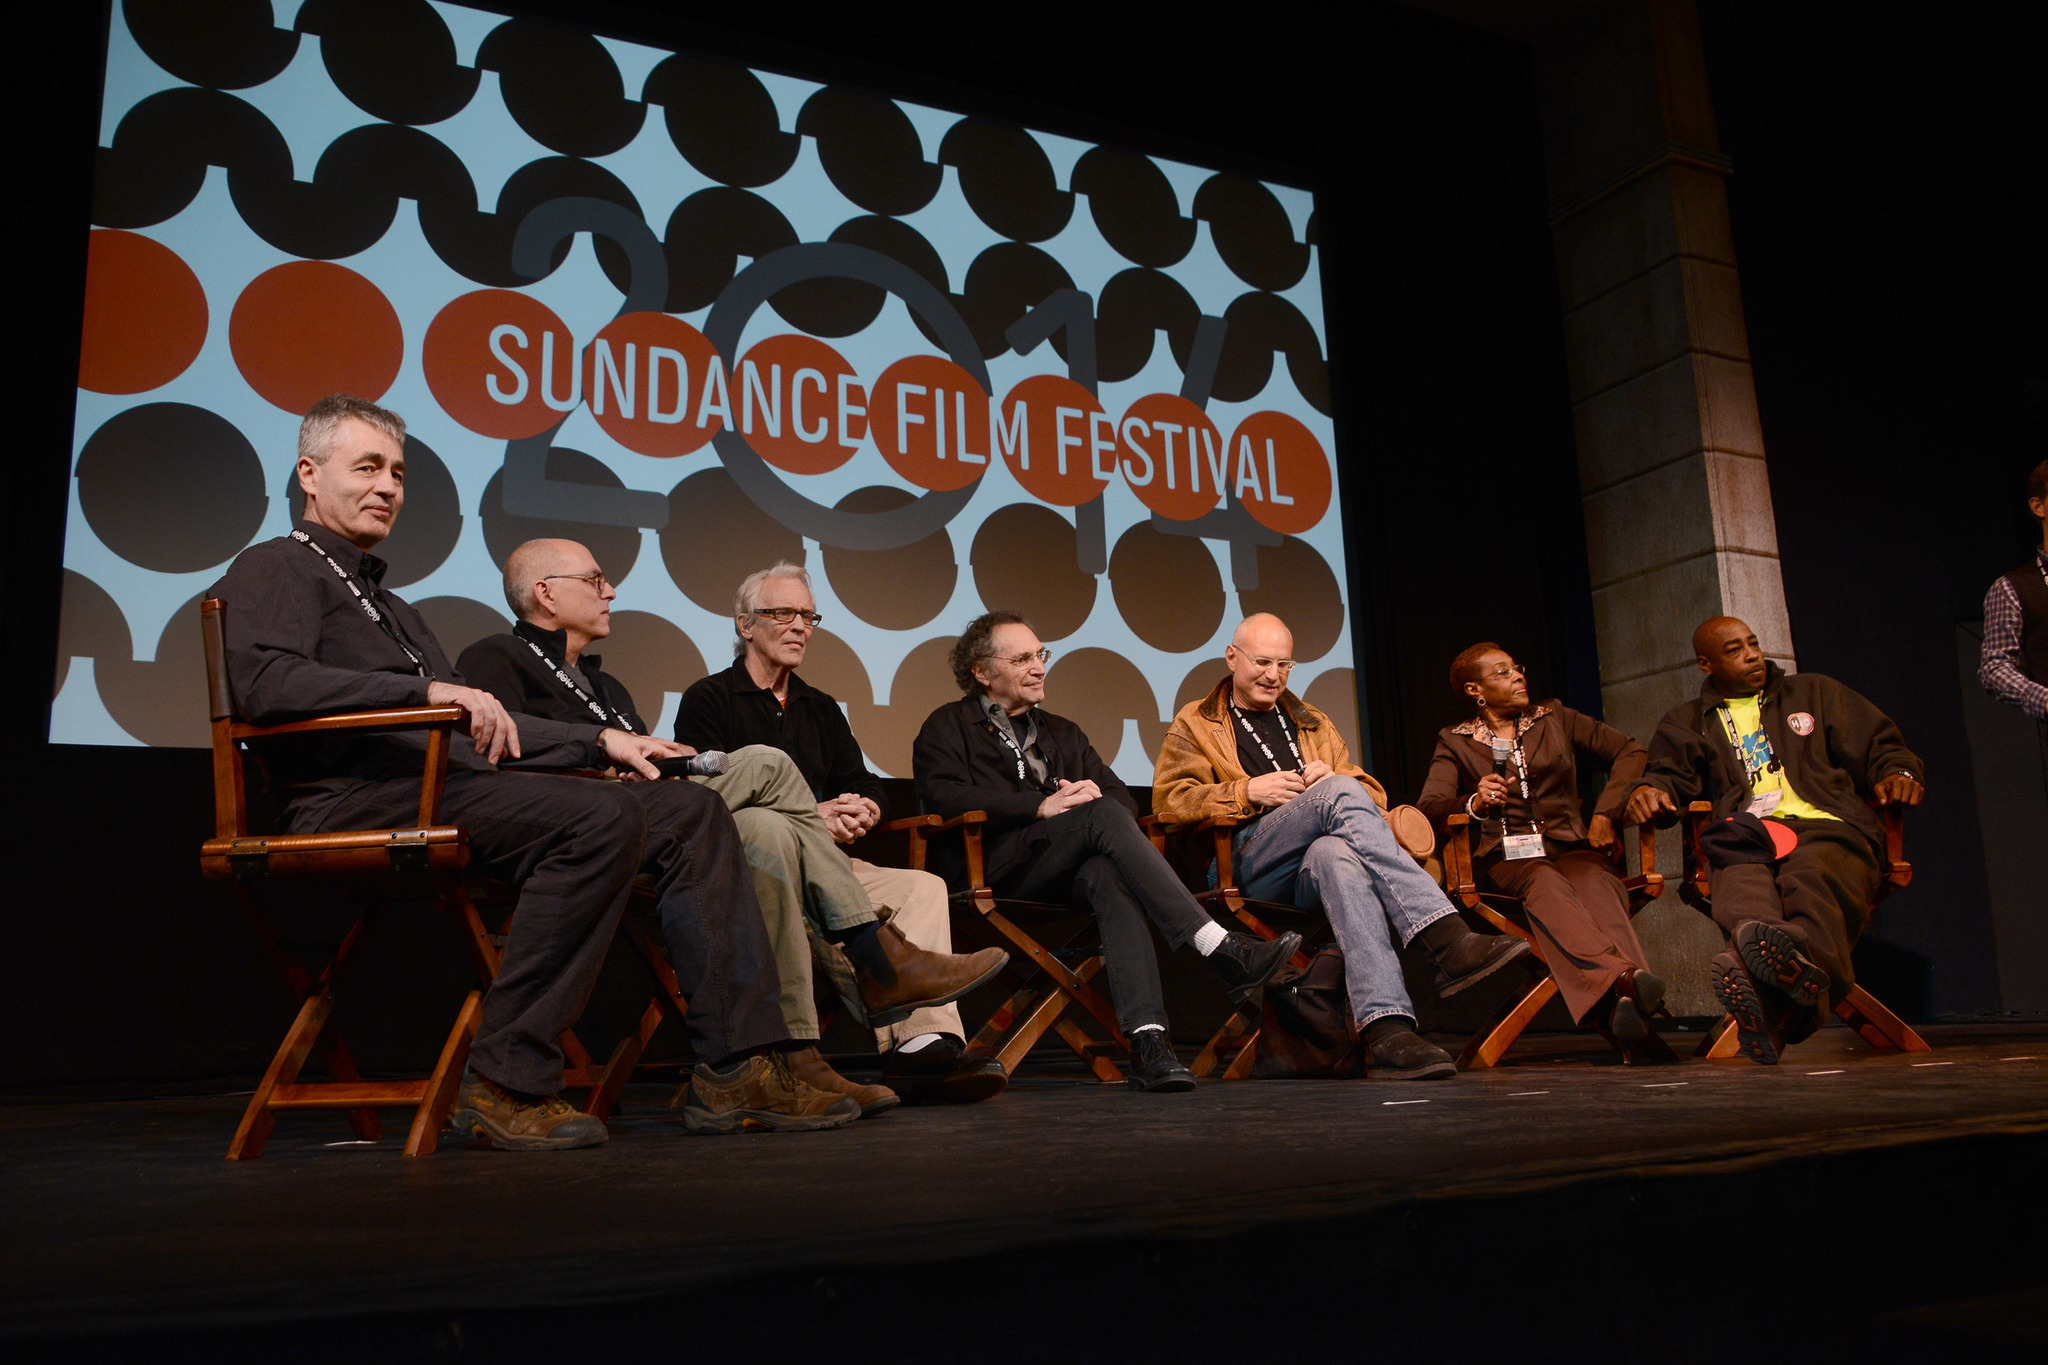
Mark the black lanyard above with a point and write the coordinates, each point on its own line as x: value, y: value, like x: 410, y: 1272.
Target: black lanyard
x: 1004, y: 732
x: 605, y: 715
x: 383, y: 623
x: 1267, y: 749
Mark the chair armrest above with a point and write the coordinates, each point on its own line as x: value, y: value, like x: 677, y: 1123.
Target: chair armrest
x: 921, y: 828
x: 1458, y: 877
x: 405, y: 718
x: 912, y: 822
x: 1897, y: 870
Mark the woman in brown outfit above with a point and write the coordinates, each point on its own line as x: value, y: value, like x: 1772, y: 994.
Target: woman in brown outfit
x: 1530, y: 842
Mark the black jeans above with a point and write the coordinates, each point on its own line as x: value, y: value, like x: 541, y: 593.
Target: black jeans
x: 572, y: 846
x: 1819, y: 893
x: 1096, y: 856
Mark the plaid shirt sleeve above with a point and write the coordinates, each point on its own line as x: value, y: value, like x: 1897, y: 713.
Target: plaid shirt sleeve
x: 1999, y: 671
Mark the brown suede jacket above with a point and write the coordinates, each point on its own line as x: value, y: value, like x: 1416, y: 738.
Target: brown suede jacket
x: 1199, y: 778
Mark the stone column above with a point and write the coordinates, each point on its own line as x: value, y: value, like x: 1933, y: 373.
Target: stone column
x: 1671, y: 459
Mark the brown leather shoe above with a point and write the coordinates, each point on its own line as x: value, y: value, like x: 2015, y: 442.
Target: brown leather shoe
x: 484, y: 1109
x: 761, y: 1094
x: 923, y: 979
x: 809, y: 1066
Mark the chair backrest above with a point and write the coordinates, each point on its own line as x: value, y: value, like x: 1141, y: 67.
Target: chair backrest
x: 230, y: 792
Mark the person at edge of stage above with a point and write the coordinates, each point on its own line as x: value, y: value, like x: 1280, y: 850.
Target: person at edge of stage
x: 1530, y: 842
x: 761, y: 700
x: 1809, y: 753
x: 562, y: 602
x: 1316, y: 835
x: 2015, y: 658
x: 1062, y: 828
x: 311, y: 631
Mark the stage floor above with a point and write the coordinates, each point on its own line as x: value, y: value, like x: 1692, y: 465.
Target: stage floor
x: 125, y: 1223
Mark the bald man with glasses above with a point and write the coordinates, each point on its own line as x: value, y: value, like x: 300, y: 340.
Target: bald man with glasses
x: 1315, y: 834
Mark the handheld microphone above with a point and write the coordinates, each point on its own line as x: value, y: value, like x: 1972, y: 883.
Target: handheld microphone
x: 1501, y: 749
x: 710, y: 763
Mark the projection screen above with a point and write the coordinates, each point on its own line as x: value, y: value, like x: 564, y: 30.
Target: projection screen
x: 701, y: 318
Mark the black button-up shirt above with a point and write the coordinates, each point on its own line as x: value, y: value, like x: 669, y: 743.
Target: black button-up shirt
x: 729, y: 710
x: 299, y: 644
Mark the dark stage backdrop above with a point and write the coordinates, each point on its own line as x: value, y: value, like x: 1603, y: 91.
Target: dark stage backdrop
x: 1889, y: 235
x: 1417, y: 139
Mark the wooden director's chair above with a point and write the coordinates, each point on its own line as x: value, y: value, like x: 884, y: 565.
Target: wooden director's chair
x: 1046, y: 981
x: 381, y: 864
x: 1860, y: 1010
x: 1238, y: 1035
x: 1505, y: 914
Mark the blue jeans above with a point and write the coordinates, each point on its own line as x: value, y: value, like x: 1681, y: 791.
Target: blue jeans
x: 1331, y: 850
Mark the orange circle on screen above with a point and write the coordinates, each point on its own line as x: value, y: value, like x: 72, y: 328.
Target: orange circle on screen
x: 1279, y: 472
x: 145, y: 314
x: 786, y: 402
x: 646, y: 378
x: 1051, y: 434
x: 930, y: 421
x: 483, y: 358
x: 1172, y: 456
x: 303, y: 330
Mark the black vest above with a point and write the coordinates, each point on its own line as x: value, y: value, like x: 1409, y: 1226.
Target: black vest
x: 2033, y: 594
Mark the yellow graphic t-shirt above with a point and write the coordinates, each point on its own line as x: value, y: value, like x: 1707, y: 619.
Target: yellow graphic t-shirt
x: 1747, y: 714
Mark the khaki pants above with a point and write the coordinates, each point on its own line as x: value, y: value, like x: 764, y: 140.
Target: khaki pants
x: 915, y: 902
x: 797, y: 870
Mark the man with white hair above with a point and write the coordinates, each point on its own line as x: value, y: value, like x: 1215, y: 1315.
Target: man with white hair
x: 761, y: 700
x: 545, y: 667
x: 1315, y: 833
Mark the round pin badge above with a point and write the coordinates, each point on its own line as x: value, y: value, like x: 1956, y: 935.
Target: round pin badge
x: 1800, y: 723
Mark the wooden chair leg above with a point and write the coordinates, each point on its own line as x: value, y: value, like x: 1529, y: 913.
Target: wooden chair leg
x: 1489, y: 1045
x: 432, y: 1115
x: 1069, y: 982
x: 1878, y: 1026
x: 1239, y: 1025
x: 1240, y: 1068
x: 332, y: 1052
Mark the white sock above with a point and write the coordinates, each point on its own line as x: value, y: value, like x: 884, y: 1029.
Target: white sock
x: 922, y: 1040
x: 1149, y: 1028
x: 1209, y: 937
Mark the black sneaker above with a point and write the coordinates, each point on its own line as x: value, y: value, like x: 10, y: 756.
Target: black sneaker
x: 1740, y: 997
x: 943, y: 1072
x: 1773, y: 958
x: 1246, y: 963
x: 1154, y: 1065
x: 1402, y: 1054
x: 1470, y: 958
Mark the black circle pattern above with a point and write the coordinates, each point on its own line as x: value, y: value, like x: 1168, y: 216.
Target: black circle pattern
x: 171, y: 487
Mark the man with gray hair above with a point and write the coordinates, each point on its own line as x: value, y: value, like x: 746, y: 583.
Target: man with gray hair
x: 544, y: 667
x: 761, y: 700
x: 311, y: 631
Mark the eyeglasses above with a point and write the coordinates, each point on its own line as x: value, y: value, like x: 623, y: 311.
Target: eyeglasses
x: 1507, y: 671
x: 595, y: 578
x: 1043, y: 656
x: 782, y: 616
x: 1260, y: 664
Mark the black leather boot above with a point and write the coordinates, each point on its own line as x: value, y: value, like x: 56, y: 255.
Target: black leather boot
x: 1154, y: 1065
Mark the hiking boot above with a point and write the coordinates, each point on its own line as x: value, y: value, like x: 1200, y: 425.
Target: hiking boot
x: 809, y: 1066
x: 943, y: 1072
x: 1773, y: 959
x: 1402, y: 1054
x: 1246, y: 963
x: 1463, y: 958
x: 1154, y: 1065
x: 1739, y: 995
x: 1638, y: 994
x: 761, y: 1094
x: 923, y: 979
x: 521, y: 1123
